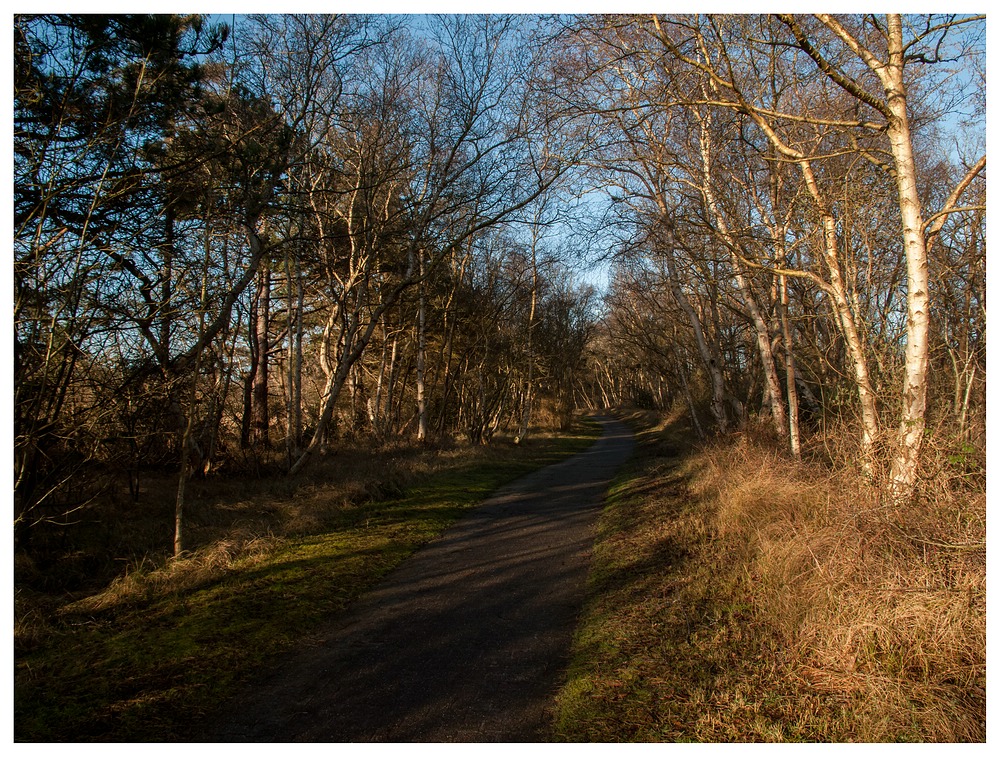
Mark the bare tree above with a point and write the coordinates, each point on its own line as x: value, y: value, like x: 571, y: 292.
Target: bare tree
x: 888, y: 51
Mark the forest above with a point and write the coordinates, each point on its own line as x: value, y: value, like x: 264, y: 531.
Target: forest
x: 247, y: 246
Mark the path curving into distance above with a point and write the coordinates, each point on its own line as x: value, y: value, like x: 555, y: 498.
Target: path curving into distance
x: 467, y: 640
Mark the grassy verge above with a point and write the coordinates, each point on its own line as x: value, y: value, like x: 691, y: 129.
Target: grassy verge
x: 737, y: 596
x: 156, y: 650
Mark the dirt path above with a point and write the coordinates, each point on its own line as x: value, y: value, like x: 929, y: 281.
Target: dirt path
x: 467, y: 640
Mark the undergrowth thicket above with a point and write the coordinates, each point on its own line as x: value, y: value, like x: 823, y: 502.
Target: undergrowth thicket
x: 738, y: 595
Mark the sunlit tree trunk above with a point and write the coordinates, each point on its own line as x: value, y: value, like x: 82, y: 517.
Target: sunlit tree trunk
x: 421, y: 351
x: 845, y: 318
x: 711, y: 363
x: 794, y: 436
x: 903, y: 474
x: 771, y: 383
x: 259, y: 414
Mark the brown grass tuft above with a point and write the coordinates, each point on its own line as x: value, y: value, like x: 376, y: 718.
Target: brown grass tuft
x: 151, y: 579
x: 882, y: 607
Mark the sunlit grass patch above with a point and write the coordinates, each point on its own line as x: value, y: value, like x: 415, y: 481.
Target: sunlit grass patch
x: 740, y: 596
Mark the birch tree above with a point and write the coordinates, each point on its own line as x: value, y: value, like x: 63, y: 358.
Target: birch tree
x: 889, y: 48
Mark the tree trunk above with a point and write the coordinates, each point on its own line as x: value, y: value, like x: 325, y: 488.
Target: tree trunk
x: 718, y: 404
x: 903, y: 474
x: 794, y: 440
x: 293, y: 436
x: 421, y: 352
x: 166, y: 285
x: 188, y: 421
x: 845, y: 319
x: 772, y: 386
x: 260, y: 416
x: 182, y: 477
x: 529, y: 387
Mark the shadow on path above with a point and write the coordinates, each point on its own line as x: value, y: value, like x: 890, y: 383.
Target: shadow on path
x: 467, y: 640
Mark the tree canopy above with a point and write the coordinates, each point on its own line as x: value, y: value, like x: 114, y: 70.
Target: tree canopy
x: 246, y: 243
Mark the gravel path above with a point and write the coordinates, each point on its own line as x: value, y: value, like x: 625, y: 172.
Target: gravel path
x: 466, y: 641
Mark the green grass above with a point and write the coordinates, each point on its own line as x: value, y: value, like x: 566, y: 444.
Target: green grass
x: 147, y: 665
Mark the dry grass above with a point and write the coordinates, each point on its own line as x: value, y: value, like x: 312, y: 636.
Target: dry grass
x: 741, y: 596
x: 882, y: 607
x: 235, y: 524
x: 150, y: 579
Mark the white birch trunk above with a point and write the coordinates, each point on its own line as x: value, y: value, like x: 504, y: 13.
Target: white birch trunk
x: 794, y: 438
x: 905, y: 463
x: 772, y: 386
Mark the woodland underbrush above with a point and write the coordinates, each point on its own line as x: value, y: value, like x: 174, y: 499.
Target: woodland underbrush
x: 740, y: 595
x: 125, y: 526
x: 121, y: 533
x: 142, y: 652
x: 118, y: 545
